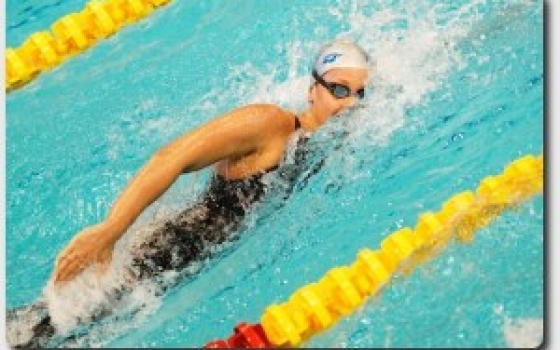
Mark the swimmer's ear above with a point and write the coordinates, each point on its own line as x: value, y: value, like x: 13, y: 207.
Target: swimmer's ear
x: 104, y: 261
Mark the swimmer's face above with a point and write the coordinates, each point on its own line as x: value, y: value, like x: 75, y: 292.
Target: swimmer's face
x: 324, y: 102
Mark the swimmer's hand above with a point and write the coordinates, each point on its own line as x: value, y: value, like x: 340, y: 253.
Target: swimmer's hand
x: 87, y: 248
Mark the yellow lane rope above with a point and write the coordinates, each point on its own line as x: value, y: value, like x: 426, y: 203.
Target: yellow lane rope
x: 71, y: 35
x: 317, y: 306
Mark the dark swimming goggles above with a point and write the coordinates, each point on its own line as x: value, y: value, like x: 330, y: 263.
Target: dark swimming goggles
x: 337, y: 90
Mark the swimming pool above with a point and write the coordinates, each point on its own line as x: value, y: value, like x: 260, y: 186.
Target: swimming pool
x: 458, y: 96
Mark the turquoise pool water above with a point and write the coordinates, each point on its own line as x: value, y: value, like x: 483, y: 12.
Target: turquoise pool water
x: 458, y: 95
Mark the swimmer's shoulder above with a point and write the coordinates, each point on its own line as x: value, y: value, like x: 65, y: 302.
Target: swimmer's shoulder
x: 271, y: 114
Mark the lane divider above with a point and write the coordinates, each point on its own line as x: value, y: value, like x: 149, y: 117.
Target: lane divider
x: 70, y: 35
x: 342, y: 290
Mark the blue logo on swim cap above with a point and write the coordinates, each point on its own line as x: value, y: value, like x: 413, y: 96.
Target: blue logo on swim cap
x: 330, y: 58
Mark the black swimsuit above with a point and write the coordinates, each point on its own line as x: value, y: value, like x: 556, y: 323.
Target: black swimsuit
x: 213, y: 220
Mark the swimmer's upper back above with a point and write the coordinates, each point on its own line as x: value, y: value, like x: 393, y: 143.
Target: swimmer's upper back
x: 270, y: 128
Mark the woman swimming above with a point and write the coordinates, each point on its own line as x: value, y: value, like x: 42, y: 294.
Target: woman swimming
x: 243, y: 144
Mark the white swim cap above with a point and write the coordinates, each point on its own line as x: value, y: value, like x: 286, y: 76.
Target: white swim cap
x: 340, y: 54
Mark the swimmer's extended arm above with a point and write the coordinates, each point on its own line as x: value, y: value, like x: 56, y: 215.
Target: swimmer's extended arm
x: 233, y: 135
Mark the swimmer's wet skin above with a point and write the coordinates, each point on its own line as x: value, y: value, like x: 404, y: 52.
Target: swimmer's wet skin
x: 243, y: 144
x: 213, y: 220
x: 187, y: 238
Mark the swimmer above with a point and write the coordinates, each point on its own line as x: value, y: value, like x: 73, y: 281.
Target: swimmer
x: 242, y: 145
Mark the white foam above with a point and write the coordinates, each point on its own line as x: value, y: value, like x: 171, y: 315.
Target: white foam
x: 73, y: 302
x: 410, y: 63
